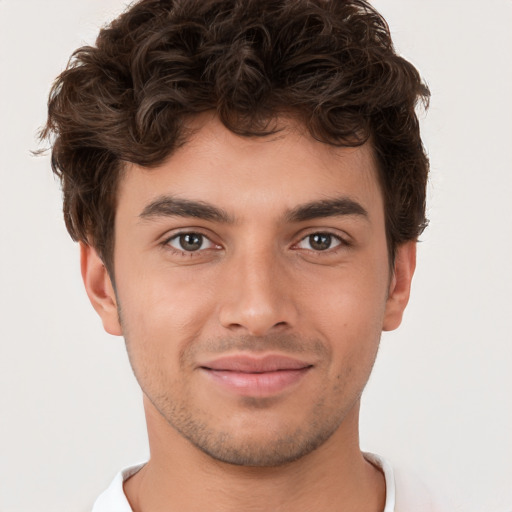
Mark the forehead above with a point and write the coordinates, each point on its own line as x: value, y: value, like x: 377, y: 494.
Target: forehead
x: 272, y: 173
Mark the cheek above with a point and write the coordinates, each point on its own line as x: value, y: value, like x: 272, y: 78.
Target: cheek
x: 158, y: 294
x: 348, y: 311
x: 161, y: 313
x: 351, y: 298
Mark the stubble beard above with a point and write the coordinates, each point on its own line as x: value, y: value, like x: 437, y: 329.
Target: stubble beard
x: 277, y: 448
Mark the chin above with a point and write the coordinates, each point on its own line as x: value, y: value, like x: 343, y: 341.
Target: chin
x: 259, y: 447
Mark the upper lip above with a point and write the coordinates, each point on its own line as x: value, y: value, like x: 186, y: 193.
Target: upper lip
x: 253, y: 364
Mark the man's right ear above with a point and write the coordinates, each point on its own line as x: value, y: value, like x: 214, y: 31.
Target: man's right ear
x: 99, y: 289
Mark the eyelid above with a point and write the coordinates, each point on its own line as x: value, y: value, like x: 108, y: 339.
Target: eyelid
x: 175, y: 234
x: 339, y: 241
x: 343, y: 238
x: 205, y: 240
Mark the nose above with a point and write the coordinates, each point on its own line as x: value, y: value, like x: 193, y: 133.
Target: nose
x: 258, y: 295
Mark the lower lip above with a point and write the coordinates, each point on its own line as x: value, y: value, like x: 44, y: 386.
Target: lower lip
x: 257, y: 384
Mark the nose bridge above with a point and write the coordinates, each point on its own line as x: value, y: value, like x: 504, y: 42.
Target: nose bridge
x: 257, y: 299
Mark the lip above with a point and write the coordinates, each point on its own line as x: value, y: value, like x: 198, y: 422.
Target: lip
x: 255, y: 364
x: 256, y: 376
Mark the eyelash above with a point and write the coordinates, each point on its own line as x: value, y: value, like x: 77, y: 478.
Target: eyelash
x: 341, y: 244
x: 167, y: 243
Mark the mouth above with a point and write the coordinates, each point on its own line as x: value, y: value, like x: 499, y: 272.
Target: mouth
x: 256, y: 376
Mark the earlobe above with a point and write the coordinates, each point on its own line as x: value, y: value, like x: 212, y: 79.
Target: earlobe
x: 400, y: 285
x: 99, y: 289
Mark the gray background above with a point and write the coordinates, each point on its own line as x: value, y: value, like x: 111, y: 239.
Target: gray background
x: 439, y: 398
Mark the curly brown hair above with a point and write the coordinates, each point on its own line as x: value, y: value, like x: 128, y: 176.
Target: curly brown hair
x: 329, y: 63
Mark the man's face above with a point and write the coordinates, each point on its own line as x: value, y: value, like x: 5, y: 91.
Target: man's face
x: 253, y: 283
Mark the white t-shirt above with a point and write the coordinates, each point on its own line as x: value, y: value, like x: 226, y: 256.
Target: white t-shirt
x: 403, y: 493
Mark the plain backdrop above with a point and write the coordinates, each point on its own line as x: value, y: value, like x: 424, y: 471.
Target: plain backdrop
x: 439, y: 398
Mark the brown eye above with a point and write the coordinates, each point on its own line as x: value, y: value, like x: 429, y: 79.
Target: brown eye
x: 190, y: 242
x: 319, y: 242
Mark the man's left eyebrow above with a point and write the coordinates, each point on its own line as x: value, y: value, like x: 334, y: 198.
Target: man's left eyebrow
x: 326, y: 208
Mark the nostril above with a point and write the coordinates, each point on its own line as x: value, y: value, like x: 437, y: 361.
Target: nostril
x: 235, y: 326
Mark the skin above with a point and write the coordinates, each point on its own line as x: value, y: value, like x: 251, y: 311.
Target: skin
x: 258, y: 285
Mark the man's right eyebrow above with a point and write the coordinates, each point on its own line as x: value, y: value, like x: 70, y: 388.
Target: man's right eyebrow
x: 170, y: 206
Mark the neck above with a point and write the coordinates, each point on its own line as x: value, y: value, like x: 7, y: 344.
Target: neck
x: 179, y: 476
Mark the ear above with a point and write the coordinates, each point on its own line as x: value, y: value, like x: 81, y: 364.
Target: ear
x: 99, y: 289
x: 400, y: 285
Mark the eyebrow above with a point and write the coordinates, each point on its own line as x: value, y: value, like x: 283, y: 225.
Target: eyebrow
x: 170, y: 206
x: 326, y: 208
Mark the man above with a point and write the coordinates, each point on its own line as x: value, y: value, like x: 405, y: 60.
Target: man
x: 247, y: 183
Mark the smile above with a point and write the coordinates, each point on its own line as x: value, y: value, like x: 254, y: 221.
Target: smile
x: 258, y: 377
